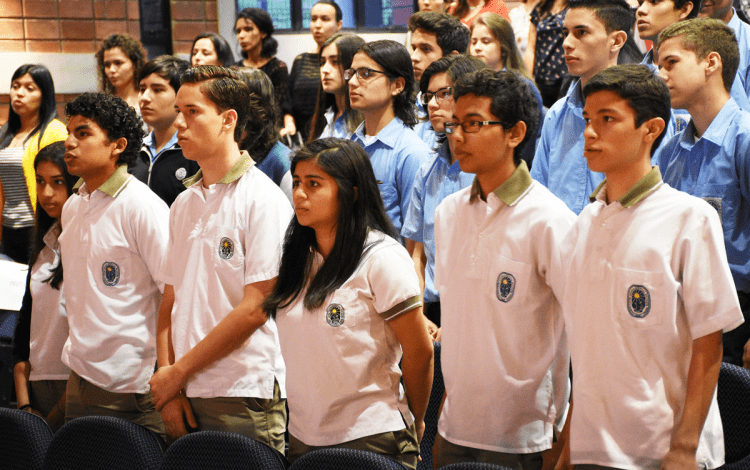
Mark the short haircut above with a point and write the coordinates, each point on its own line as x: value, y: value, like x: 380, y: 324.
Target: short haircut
x: 335, y: 6
x: 646, y: 93
x: 130, y: 47
x: 512, y: 100
x: 264, y: 23
x: 115, y: 117
x: 221, y: 47
x: 168, y: 67
x: 615, y: 15
x: 396, y: 62
x: 225, y: 88
x: 678, y: 4
x: 704, y: 36
x: 451, y: 34
x: 455, y: 65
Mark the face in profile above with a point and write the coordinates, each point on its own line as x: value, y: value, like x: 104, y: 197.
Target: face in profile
x: 440, y: 105
x: 331, y: 73
x: 683, y: 72
x: 373, y: 92
x: 315, y: 196
x: 51, y: 188
x: 156, y: 101
x: 118, y: 68
x: 200, y: 126
x: 204, y: 53
x: 88, y: 150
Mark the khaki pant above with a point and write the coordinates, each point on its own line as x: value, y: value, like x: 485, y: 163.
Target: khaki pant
x: 86, y: 399
x: 400, y: 446
x: 446, y: 453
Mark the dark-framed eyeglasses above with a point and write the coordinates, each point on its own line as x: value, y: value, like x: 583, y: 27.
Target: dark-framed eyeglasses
x: 469, y: 126
x: 440, y: 95
x: 362, y: 73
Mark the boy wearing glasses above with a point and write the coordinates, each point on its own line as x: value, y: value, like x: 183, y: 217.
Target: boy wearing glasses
x: 495, y: 244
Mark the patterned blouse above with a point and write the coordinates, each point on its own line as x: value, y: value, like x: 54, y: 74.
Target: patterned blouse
x: 549, y: 63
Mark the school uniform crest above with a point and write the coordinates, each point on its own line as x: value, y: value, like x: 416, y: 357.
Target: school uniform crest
x: 180, y: 174
x: 226, y: 248
x: 639, y: 301
x: 110, y: 273
x: 506, y: 286
x: 335, y: 315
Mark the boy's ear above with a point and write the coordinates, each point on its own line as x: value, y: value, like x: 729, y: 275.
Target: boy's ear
x: 397, y: 86
x: 516, y: 134
x: 120, y: 145
x: 713, y: 63
x: 654, y: 128
x: 229, y: 120
x: 686, y: 9
x: 618, y: 39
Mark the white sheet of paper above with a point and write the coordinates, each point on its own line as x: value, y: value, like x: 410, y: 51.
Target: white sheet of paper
x: 12, y: 284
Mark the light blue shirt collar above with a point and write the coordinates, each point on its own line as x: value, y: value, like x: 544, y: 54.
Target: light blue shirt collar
x: 388, y: 135
x: 150, y: 143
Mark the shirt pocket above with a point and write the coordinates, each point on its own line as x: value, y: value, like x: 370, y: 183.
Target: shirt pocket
x: 225, y: 247
x: 112, y: 269
x: 642, y: 299
x: 508, y: 279
x: 340, y: 310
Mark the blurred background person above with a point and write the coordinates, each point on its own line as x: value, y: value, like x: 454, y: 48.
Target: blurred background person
x: 520, y: 18
x: 467, y: 10
x: 211, y: 49
x: 544, y: 57
x: 120, y: 58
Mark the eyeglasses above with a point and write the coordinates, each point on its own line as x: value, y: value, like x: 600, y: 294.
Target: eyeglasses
x: 441, y: 94
x: 362, y: 73
x: 469, y: 126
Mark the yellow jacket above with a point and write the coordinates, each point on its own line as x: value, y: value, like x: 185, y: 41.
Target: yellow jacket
x: 54, y: 132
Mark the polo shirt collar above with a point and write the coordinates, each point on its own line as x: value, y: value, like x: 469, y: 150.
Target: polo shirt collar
x: 388, y: 135
x: 636, y: 193
x: 240, y: 167
x: 113, y: 186
x: 512, y: 190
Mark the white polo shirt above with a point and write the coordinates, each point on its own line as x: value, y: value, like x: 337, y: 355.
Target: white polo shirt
x: 113, y: 245
x: 647, y: 275
x: 343, y: 358
x: 502, y: 330
x: 222, y: 238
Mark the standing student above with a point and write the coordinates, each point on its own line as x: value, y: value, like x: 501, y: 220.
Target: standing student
x: 647, y: 294
x: 496, y: 243
x: 160, y: 163
x: 211, y: 49
x: 220, y: 367
x: 119, y: 59
x: 381, y: 81
x: 710, y: 159
x: 42, y: 328
x: 32, y: 124
x: 348, y: 309
x: 113, y: 246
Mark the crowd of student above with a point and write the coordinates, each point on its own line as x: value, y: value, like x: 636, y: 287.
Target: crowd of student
x: 435, y: 198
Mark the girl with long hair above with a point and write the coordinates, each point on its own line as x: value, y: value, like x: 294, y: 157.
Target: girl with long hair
x: 211, y: 49
x: 333, y: 115
x: 493, y: 41
x: 42, y: 328
x: 120, y: 59
x: 32, y: 124
x: 347, y: 295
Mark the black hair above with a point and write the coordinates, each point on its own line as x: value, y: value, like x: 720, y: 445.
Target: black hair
x: 347, y: 45
x: 55, y: 154
x: 226, y: 88
x: 450, y: 34
x: 615, y: 15
x: 396, y: 63
x: 512, y: 100
x: 131, y: 48
x: 678, y: 4
x: 168, y: 67
x: 262, y: 130
x: 264, y: 23
x: 646, y: 93
x: 361, y: 210
x: 115, y: 117
x: 335, y: 6
x: 221, y: 46
x: 47, y: 107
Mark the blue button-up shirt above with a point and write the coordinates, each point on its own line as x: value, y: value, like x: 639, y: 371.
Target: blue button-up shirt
x: 396, y: 155
x: 716, y: 168
x: 423, y: 128
x: 742, y: 32
x: 436, y: 180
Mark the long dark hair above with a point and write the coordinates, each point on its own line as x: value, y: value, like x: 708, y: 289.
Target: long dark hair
x: 347, y: 45
x: 396, y: 63
x: 221, y: 46
x: 361, y: 210
x: 55, y: 154
x: 262, y: 130
x: 47, y: 108
x: 264, y: 23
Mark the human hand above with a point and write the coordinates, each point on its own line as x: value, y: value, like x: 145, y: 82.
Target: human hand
x: 174, y: 413
x: 166, y: 384
x: 433, y: 330
x: 289, y: 128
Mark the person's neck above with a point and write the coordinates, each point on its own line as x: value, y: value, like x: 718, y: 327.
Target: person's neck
x: 704, y: 107
x: 93, y: 182
x: 163, y: 135
x: 218, y: 164
x: 489, y: 182
x: 254, y: 59
x: 325, y: 238
x: 376, y: 120
x: 728, y: 17
x: 620, y: 181
x: 610, y: 63
x: 28, y: 123
x: 128, y: 93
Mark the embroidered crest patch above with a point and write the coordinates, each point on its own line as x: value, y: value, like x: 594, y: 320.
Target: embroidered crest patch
x: 506, y: 285
x: 335, y: 315
x: 180, y: 174
x: 226, y: 248
x: 110, y: 274
x: 639, y: 301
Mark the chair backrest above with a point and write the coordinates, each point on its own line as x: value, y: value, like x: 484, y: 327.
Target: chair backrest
x: 337, y: 458
x: 103, y: 442
x: 25, y: 438
x: 733, y: 395
x: 214, y: 450
x: 473, y: 466
x: 432, y: 414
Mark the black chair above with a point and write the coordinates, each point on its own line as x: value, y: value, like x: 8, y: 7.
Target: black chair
x: 214, y: 450
x: 25, y: 438
x: 733, y: 395
x: 474, y: 466
x: 432, y: 414
x: 337, y: 458
x: 103, y: 442
x: 8, y: 320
